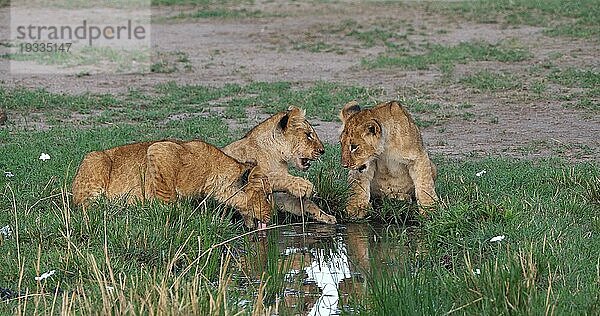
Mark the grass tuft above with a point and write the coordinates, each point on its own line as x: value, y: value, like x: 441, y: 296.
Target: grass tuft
x: 561, y: 18
x: 489, y: 81
x: 444, y: 56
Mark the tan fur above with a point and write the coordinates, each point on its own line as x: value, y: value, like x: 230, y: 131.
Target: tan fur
x: 284, y: 138
x: 169, y: 169
x: 383, y: 149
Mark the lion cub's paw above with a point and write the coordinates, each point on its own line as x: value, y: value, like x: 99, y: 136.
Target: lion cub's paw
x: 427, y: 198
x: 301, y: 188
x: 357, y: 211
x: 426, y: 205
x: 326, y: 218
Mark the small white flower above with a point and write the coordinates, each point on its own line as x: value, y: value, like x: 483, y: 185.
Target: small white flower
x: 8, y: 174
x: 497, y: 238
x: 45, y: 275
x: 243, y: 303
x: 44, y: 157
x: 480, y: 173
x: 109, y: 288
x: 6, y: 231
x: 477, y: 272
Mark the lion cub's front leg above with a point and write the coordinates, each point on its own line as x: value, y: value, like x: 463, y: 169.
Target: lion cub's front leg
x: 292, y: 197
x: 296, y: 186
x: 360, y: 192
x: 297, y: 206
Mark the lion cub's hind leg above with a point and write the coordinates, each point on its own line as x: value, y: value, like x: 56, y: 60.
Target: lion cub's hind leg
x: 423, y: 173
x: 93, y: 177
x: 163, y: 162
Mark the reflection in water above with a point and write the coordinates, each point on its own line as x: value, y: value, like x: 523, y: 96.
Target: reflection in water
x: 327, y: 271
x: 324, y: 264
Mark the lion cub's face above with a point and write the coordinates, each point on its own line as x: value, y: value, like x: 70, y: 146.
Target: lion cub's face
x: 258, y: 190
x: 305, y: 144
x: 360, y: 138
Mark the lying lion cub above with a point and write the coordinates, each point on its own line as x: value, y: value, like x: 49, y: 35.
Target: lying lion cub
x: 168, y: 169
x: 284, y: 138
x: 383, y: 149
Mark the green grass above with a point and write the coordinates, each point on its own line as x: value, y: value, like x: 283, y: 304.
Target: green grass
x: 447, y: 56
x: 539, y: 87
x: 222, y: 13
x: 120, y: 256
x: 318, y: 47
x: 351, y: 35
x: 169, y: 62
x: 370, y: 38
x: 211, y: 9
x: 378, y: 33
x: 571, y: 77
x: 157, y: 258
x: 589, y: 101
x: 200, y: 2
x: 561, y: 18
x: 583, y: 87
x: 40, y: 99
x: 321, y: 100
x: 117, y: 60
x: 141, y: 251
x: 547, y: 262
x: 491, y: 81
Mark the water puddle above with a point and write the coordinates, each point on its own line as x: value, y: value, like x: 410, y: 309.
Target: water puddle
x: 324, y: 266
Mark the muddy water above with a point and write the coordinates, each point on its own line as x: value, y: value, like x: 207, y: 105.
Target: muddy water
x: 325, y: 266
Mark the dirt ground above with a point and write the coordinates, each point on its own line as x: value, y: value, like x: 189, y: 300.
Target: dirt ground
x: 243, y: 50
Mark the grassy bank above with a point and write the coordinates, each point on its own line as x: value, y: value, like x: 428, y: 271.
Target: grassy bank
x: 158, y: 258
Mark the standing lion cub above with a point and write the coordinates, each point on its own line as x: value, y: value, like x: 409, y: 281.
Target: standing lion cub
x: 383, y: 149
x: 168, y: 169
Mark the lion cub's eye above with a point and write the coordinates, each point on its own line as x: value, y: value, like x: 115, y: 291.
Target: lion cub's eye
x: 353, y: 148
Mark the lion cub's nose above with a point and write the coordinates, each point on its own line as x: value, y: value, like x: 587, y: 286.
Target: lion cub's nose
x: 321, y: 151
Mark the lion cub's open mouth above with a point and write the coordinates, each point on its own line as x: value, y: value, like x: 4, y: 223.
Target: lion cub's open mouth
x: 362, y: 168
x: 304, y: 163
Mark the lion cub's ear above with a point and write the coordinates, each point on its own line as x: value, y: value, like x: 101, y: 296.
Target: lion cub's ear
x: 248, y: 167
x: 394, y: 106
x: 283, y: 122
x: 348, y: 110
x: 296, y: 112
x: 294, y: 115
x: 297, y: 115
x: 373, y: 128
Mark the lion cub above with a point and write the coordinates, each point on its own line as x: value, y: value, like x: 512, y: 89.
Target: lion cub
x: 284, y: 139
x: 168, y: 169
x: 383, y: 149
